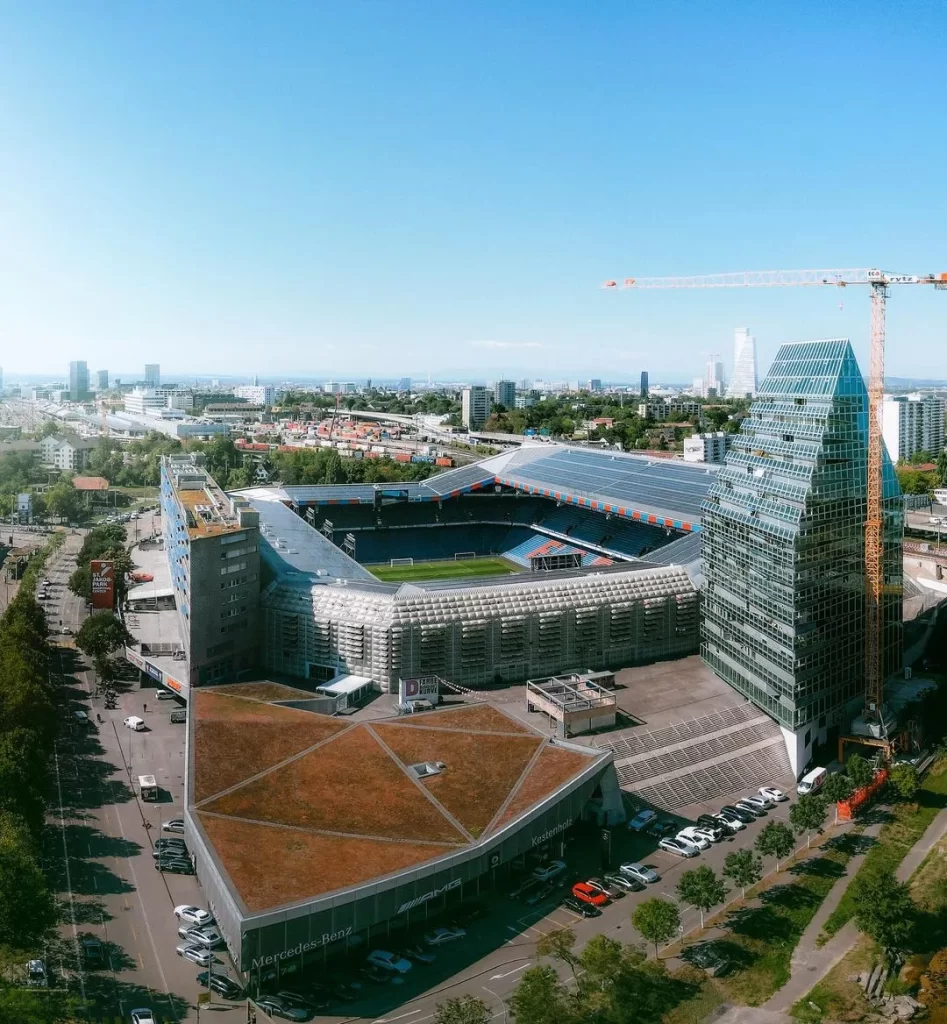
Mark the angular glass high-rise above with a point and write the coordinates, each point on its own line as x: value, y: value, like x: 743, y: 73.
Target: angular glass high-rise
x: 783, y: 612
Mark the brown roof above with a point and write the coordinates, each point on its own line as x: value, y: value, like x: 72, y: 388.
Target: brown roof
x: 90, y: 483
x: 334, y: 803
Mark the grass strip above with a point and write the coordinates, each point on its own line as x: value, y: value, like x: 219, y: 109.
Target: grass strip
x: 908, y: 823
x: 464, y: 569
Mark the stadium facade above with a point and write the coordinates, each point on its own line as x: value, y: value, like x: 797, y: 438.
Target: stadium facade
x: 783, y: 618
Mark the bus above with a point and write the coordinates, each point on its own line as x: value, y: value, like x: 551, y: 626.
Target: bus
x: 147, y: 787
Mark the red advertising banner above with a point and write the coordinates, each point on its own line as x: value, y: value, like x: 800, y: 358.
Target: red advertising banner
x: 103, y: 584
x: 847, y: 809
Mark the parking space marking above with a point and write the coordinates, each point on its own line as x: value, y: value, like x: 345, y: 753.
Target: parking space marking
x: 506, y: 974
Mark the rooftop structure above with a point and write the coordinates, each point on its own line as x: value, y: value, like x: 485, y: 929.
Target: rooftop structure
x: 784, y: 553
x: 308, y: 825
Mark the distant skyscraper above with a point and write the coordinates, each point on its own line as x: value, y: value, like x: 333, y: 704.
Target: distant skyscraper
x: 102, y: 380
x: 404, y: 384
x: 714, y: 378
x: 744, y: 380
x: 595, y: 385
x: 152, y: 375
x: 475, y: 407
x: 912, y: 424
x: 78, y: 381
x: 644, y: 383
x: 504, y: 393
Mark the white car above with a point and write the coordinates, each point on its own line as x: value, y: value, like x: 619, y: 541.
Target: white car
x: 143, y: 1015
x: 697, y: 836
x: 193, y: 915
x: 679, y: 847
x: 207, y: 937
x: 389, y: 961
x: 546, y: 872
x: 774, y: 795
x: 640, y: 873
x: 441, y: 935
x: 175, y: 825
x: 36, y: 974
x: 196, y: 954
x: 730, y: 822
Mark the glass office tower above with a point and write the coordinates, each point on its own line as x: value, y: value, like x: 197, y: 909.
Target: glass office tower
x: 783, y: 617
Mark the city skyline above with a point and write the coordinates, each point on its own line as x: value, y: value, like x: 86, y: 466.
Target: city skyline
x: 342, y: 185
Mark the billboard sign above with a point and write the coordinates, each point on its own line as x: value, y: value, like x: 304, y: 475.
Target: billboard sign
x: 135, y: 658
x: 154, y: 672
x: 103, y: 584
x: 428, y: 687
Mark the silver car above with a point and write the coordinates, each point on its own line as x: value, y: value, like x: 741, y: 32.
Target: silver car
x: 196, y: 954
x: 640, y: 872
x: 679, y: 847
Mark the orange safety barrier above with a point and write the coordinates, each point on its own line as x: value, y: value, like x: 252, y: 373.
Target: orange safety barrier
x: 847, y: 809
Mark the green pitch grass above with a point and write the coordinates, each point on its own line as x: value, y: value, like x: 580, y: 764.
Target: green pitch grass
x: 464, y: 569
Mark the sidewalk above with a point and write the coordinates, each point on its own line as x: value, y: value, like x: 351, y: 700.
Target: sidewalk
x: 810, y: 964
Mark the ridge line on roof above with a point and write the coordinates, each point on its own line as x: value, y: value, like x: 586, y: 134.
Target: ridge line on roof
x: 281, y: 764
x: 488, y: 828
x: 438, y: 806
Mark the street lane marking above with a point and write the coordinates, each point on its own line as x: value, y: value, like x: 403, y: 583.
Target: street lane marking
x: 506, y: 974
x: 387, y: 1020
x: 65, y: 850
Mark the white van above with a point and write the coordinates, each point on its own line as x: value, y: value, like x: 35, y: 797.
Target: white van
x: 812, y: 781
x: 135, y: 723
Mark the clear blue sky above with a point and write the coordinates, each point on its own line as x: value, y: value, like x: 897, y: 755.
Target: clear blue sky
x: 394, y: 188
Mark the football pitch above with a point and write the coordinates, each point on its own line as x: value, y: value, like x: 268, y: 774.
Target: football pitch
x: 463, y: 569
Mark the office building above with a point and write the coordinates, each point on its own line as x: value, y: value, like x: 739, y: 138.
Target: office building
x: 78, y: 381
x: 154, y: 401
x: 783, y: 610
x: 710, y: 447
x: 404, y: 384
x: 714, y: 378
x: 912, y: 424
x: 504, y: 393
x: 595, y: 385
x: 212, y: 542
x: 340, y: 387
x: 744, y: 380
x: 258, y: 394
x: 102, y: 380
x: 475, y: 407
x: 644, y: 383
x: 152, y: 375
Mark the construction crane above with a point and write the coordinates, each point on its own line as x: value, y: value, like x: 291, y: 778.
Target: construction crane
x: 878, y: 282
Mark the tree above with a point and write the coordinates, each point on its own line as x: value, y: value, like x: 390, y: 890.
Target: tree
x: 807, y: 815
x: 884, y: 910
x: 462, y: 1010
x: 559, y: 945
x: 775, y: 840
x: 743, y: 869
x: 905, y: 780
x: 859, y: 771
x: 540, y: 998
x: 26, y: 907
x: 101, y: 635
x: 837, y: 786
x: 601, y: 960
x: 658, y: 921
x: 80, y: 582
x: 701, y: 888
x: 62, y: 500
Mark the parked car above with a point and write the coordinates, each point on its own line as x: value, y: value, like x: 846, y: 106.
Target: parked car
x: 36, y: 974
x: 174, y: 825
x: 679, y: 847
x: 296, y: 999
x: 193, y: 915
x: 578, y: 907
x: 624, y: 882
x: 640, y: 873
x: 170, y: 843
x: 418, y: 955
x: 389, y: 961
x: 143, y: 1015
x: 546, y: 872
x: 662, y: 827
x: 378, y: 975
x: 165, y: 695
x: 754, y: 807
x: 642, y: 819
x: 440, y: 936
x: 589, y: 894
x: 278, y: 1008
x: 92, y: 952
x: 713, y: 826
x: 606, y: 888
x: 175, y: 865
x: 776, y: 796
x: 208, y: 936
x: 762, y: 803
x: 744, y: 814
x: 697, y: 836
x: 220, y: 984
x: 729, y: 821
x: 196, y: 954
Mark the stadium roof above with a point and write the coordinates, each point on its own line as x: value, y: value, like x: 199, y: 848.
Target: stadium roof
x: 297, y: 805
x: 663, y: 492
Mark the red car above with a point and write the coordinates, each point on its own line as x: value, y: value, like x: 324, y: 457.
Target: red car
x: 589, y: 894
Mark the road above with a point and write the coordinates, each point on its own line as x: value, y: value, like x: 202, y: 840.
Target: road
x: 109, y: 887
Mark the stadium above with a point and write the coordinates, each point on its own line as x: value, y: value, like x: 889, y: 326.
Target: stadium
x: 525, y: 564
